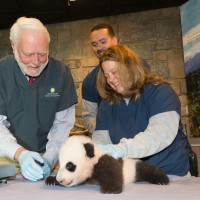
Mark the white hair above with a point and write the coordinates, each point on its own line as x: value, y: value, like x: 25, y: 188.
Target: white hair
x: 23, y: 24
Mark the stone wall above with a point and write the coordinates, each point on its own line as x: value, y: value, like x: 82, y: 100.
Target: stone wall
x: 155, y: 35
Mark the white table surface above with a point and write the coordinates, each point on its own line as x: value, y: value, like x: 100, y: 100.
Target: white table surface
x: 180, y: 188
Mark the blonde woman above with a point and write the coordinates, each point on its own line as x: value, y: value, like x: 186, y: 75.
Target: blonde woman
x: 140, y: 114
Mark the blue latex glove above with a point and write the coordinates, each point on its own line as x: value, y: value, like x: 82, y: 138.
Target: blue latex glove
x: 46, y: 170
x: 113, y: 150
x: 30, y: 169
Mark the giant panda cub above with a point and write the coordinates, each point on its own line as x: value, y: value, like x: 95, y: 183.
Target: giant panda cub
x: 81, y: 161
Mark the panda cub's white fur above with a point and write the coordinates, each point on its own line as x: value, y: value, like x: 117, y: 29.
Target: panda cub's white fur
x: 73, y: 151
x: 81, y: 160
x: 129, y: 170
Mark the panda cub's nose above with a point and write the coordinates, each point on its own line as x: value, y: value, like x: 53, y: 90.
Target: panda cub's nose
x: 63, y: 182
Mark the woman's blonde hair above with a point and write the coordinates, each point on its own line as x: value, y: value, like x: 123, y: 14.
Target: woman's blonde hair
x: 131, y: 71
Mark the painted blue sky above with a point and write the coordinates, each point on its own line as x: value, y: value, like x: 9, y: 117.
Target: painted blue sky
x: 190, y: 22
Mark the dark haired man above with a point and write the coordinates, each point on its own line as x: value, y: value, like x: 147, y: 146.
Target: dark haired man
x: 102, y: 36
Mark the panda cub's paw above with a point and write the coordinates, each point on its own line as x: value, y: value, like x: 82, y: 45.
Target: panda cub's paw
x: 51, y: 180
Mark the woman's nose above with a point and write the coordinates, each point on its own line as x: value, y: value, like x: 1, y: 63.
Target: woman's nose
x: 110, y: 78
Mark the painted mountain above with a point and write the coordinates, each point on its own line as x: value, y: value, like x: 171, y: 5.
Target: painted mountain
x: 192, y: 64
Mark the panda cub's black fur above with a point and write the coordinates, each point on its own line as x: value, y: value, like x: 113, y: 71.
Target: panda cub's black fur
x: 82, y: 161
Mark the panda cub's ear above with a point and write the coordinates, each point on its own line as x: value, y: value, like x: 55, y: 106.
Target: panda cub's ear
x: 89, y: 148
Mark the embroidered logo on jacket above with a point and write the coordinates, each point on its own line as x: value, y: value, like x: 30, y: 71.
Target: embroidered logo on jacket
x: 52, y: 93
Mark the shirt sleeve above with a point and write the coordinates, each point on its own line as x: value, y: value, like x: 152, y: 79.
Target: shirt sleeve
x: 63, y: 123
x: 8, y: 143
x: 159, y: 134
x: 89, y: 113
x: 101, y: 137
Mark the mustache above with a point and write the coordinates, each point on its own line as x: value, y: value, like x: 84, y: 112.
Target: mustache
x: 42, y: 64
x: 34, y: 66
x: 101, y: 50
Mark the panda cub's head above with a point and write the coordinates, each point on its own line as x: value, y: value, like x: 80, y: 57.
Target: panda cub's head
x: 77, y: 158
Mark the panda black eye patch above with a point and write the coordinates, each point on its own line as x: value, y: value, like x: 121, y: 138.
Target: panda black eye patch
x: 70, y: 167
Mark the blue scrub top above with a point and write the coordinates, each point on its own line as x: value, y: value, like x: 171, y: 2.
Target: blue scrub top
x: 125, y: 121
x: 89, y: 87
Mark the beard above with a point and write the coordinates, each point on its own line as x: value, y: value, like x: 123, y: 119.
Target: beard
x: 100, y: 52
x: 25, y: 67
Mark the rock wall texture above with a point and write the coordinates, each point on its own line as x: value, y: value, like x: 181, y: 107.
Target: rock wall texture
x: 155, y: 35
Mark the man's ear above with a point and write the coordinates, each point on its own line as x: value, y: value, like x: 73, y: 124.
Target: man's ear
x: 115, y: 40
x: 12, y: 45
x: 89, y: 148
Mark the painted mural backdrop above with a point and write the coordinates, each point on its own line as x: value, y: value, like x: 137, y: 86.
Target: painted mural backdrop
x: 190, y: 22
